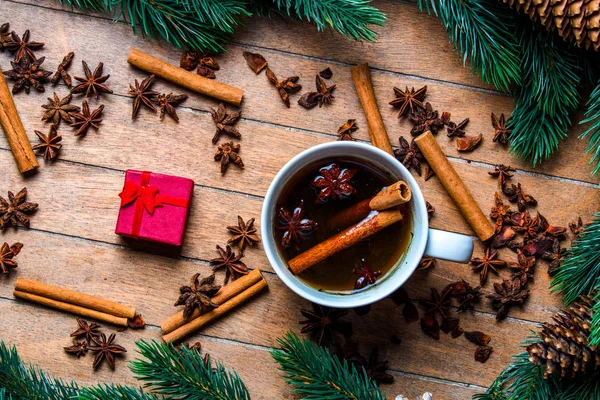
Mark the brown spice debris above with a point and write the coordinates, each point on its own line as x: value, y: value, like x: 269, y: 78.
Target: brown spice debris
x: 468, y: 143
x: 255, y: 61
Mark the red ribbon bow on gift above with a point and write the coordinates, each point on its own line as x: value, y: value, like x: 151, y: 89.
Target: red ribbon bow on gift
x: 146, y: 197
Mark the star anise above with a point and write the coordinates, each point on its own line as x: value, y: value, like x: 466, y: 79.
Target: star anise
x: 486, y: 263
x: 7, y: 254
x: 234, y: 268
x: 58, y: 109
x: 22, y: 48
x: 244, y: 233
x: 515, y: 194
x: 345, y: 131
x: 105, y: 350
x: 198, y: 295
x: 409, y: 155
x: 425, y: 119
x: 528, y: 226
x: 78, y: 348
x: 468, y: 143
x: 439, y: 303
x: 85, y: 119
x: 50, y: 145
x: 538, y: 246
x: 466, y: 294
x: 228, y: 152
x: 426, y: 263
x: 430, y: 173
x: 502, y: 172
x: 546, y: 229
x: 224, y: 121
x: 430, y: 209
x: 576, y: 227
x: 366, y: 276
x: 500, y: 212
x: 255, y: 61
x: 284, y: 87
x: 61, y: 70
x: 377, y: 370
x: 457, y: 130
x: 504, y: 237
x: 334, y: 183
x: 206, y: 72
x: 142, y: 95
x: 525, y: 265
x: 501, y: 131
x: 408, y: 100
x: 28, y: 73
x: 5, y: 34
x: 554, y: 256
x: 15, y: 210
x: 294, y: 226
x: 410, y: 311
x: 168, y: 102
x: 430, y: 326
x: 190, y: 59
x: 323, y: 322
x: 88, y: 331
x: 92, y: 83
x: 323, y: 95
x: 508, y: 293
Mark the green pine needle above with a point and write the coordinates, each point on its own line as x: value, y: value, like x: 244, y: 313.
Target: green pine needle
x: 316, y: 374
x: 183, y: 375
x: 483, y: 33
x: 221, y: 14
x: 88, y: 5
x: 112, y: 392
x: 592, y: 116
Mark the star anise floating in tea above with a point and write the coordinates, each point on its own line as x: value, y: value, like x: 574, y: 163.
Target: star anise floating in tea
x: 59, y: 109
x: 21, y: 47
x: 92, y: 83
x: 345, y: 131
x: 224, y: 121
x: 409, y: 155
x: 142, y: 95
x: 15, y: 211
x: 408, y: 101
x: 515, y: 194
x: 61, y: 70
x: 486, y: 263
x: 105, y: 349
x: 426, y: 119
x: 501, y: 133
x: 78, y: 349
x: 7, y: 254
x: 294, y: 226
x: 468, y: 143
x: 457, y: 130
x: 234, y: 268
x: 228, y: 153
x: 323, y: 95
x: 243, y: 234
x: 334, y: 183
x: 503, y: 173
x: 255, y: 61
x: 366, y: 276
x: 86, y: 119
x: 323, y: 322
x: 284, y: 87
x: 198, y: 295
x: 87, y: 330
x: 49, y: 145
x: 167, y: 104
x: 509, y: 293
x: 28, y: 73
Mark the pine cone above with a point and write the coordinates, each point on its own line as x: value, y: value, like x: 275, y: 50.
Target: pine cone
x: 575, y: 20
x: 564, y: 347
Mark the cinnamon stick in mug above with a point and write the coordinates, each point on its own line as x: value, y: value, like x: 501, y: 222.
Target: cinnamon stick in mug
x: 348, y: 237
x: 454, y: 186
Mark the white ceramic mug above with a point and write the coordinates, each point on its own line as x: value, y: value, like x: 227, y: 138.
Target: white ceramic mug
x: 425, y: 242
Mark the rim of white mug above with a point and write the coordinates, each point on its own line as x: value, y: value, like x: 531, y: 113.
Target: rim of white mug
x: 402, y: 269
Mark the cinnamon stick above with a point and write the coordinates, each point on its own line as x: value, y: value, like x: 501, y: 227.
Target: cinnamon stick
x: 454, y: 186
x: 210, y: 316
x: 187, y: 79
x: 349, y: 237
x: 226, y: 293
x: 388, y: 197
x: 14, y: 130
x: 72, y: 297
x: 71, y: 308
x: 364, y: 87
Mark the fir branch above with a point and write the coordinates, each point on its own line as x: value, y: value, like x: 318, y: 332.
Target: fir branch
x: 316, y: 374
x: 221, y: 14
x: 183, y: 375
x: 88, y: 5
x: 111, y: 392
x: 592, y: 116
x: 350, y: 18
x: 483, y: 33
x: 595, y: 328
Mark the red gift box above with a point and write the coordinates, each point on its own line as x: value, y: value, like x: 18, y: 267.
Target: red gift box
x: 154, y: 207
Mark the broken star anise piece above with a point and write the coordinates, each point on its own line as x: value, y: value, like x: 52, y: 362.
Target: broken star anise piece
x: 284, y: 87
x: 255, y: 61
x: 191, y: 59
x: 500, y: 212
x: 439, y: 303
x: 500, y: 127
x: 466, y: 294
x: 168, y: 102
x: 50, y: 145
x: 234, y: 268
x: 327, y: 73
x: 426, y: 263
x: 244, y: 233
x: 525, y: 265
x: 334, y: 183
x: 482, y: 353
x: 554, y: 256
x: 88, y: 331
x: 576, y: 227
x: 457, y: 130
x: 59, y: 109
x: 468, y: 143
x: 22, y: 47
x: 366, y: 276
x: 294, y: 226
x: 323, y: 95
x: 142, y: 95
x: 14, y: 211
x: 430, y: 209
x: 206, y: 72
x: 425, y: 119
x: 228, y: 153
x: 479, y: 338
x: 377, y: 370
x: 410, y: 311
x: 430, y: 326
x: 61, y: 70
x: 7, y: 254
x: 85, y: 118
x: 323, y: 322
x: 504, y: 237
x: 502, y: 172
x: 224, y: 121
x: 5, y: 34
x: 105, y: 350
x: 408, y: 101
x: 28, y: 73
x: 198, y: 295
x: 486, y: 263
x: 546, y: 229
x: 515, y: 194
x: 92, y: 83
x: 508, y: 293
x: 345, y: 131
x: 78, y: 349
x: 409, y: 155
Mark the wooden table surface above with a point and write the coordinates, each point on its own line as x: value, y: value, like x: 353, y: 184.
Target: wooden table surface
x: 72, y: 242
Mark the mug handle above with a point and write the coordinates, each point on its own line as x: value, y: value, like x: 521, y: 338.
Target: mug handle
x: 449, y: 246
